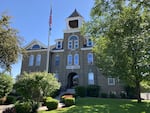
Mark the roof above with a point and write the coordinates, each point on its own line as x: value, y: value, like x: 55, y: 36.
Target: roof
x: 75, y: 14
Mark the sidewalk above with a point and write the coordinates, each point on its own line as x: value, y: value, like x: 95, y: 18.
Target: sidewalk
x: 3, y: 107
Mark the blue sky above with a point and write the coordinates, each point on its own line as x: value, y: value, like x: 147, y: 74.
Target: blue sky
x: 30, y: 18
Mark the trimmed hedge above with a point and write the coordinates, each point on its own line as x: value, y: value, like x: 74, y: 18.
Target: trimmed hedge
x: 51, y: 103
x: 23, y: 107
x: 93, y: 90
x: 69, y: 102
x: 104, y: 95
x: 80, y: 91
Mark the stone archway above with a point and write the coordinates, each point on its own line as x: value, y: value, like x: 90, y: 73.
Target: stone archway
x: 73, y: 80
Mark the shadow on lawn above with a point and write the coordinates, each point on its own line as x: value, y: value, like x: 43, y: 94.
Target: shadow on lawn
x: 117, y: 107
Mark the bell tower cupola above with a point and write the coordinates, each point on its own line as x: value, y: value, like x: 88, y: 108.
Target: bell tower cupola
x: 74, y: 22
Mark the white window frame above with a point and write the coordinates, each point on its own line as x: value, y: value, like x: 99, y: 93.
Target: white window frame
x: 69, y: 59
x: 91, y: 78
x: 59, y: 43
x: 70, y: 44
x: 111, y: 81
x: 76, y: 44
x: 38, y: 60
x: 89, y: 40
x: 31, y: 60
x: 90, y: 58
x: 76, y: 59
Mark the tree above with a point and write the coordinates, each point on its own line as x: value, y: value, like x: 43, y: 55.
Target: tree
x: 10, y: 46
x: 6, y: 85
x: 121, y: 31
x: 36, y: 85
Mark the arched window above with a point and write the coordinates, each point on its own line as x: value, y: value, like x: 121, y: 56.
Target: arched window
x: 69, y: 59
x: 31, y: 60
x: 38, y: 60
x: 90, y: 58
x: 73, y: 42
x: 91, y: 78
x: 36, y: 46
x: 76, y: 59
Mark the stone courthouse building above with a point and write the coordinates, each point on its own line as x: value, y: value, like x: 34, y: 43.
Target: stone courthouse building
x: 71, y: 59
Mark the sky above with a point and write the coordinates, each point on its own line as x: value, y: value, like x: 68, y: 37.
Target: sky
x: 31, y: 17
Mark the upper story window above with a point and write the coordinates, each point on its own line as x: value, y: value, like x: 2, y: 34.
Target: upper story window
x: 69, y: 60
x: 36, y: 46
x: 38, y: 60
x: 73, y: 42
x: 59, y: 45
x: 89, y: 42
x: 111, y: 81
x: 76, y: 59
x: 57, y: 60
x: 91, y: 78
x: 31, y: 60
x: 90, y: 58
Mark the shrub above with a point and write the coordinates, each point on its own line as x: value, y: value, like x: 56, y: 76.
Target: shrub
x: 104, y: 95
x: 9, y: 110
x: 112, y: 95
x: 10, y: 100
x: 65, y: 96
x: 23, y: 107
x: 69, y: 101
x: 93, y: 90
x: 123, y: 95
x: 51, y: 104
x: 2, y: 100
x: 80, y: 91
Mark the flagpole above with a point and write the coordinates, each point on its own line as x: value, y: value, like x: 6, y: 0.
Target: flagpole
x: 49, y: 34
x: 48, y: 50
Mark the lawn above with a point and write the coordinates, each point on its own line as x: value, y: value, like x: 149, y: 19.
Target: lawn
x: 98, y: 105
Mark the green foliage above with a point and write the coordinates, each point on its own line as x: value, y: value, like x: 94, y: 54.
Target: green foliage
x: 26, y: 106
x: 36, y: 85
x: 93, y: 90
x: 80, y: 91
x: 6, y: 85
x: 23, y: 107
x: 112, y: 95
x: 69, y: 101
x: 51, y: 103
x: 10, y: 44
x: 104, y: 95
x: 145, y: 86
x: 10, y: 100
x: 120, y: 29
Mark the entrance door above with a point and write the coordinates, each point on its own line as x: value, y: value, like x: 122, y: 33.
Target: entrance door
x: 73, y: 80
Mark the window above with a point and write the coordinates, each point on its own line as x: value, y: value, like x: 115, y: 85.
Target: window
x: 76, y: 59
x: 59, y: 45
x: 73, y: 42
x: 91, y: 78
x: 31, y: 60
x: 70, y: 45
x: 111, y: 81
x: 76, y: 44
x: 56, y: 76
x: 69, y: 59
x: 38, y: 60
x: 89, y: 42
x: 90, y: 58
x: 36, y: 47
x: 57, y: 60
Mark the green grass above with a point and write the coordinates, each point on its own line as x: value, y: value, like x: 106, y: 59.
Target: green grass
x: 98, y: 105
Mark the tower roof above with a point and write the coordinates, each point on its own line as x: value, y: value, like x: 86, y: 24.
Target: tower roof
x: 75, y: 14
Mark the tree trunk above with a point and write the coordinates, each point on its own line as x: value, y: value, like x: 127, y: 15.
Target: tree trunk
x: 138, y: 90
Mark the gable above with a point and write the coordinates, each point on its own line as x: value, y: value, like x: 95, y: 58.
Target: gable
x: 35, y: 45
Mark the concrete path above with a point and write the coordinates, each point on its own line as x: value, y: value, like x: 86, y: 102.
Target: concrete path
x: 3, y: 107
